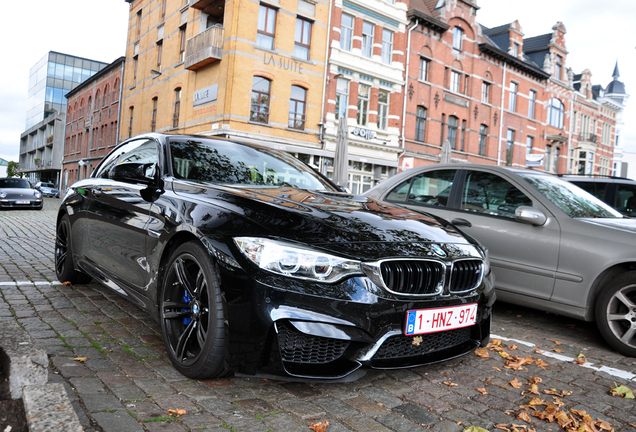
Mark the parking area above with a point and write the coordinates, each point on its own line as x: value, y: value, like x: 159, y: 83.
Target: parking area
x: 542, y: 372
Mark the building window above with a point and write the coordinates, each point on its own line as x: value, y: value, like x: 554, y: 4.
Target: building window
x: 342, y: 98
x: 367, y: 39
x: 548, y: 158
x: 454, y: 81
x: 559, y: 67
x: 177, y: 108
x: 510, y: 146
x: 387, y: 46
x: 451, y: 136
x: 106, y: 94
x: 266, y: 27
x: 424, y: 65
x: 512, y: 101
x: 532, y: 103
x: 555, y: 113
x: 346, y: 31
x: 458, y: 36
x: 153, y: 119
x: 182, y: 43
x: 363, y: 105
x: 159, y: 54
x: 383, y: 109
x: 529, y: 144
x: 138, y: 36
x: 297, y: 102
x: 586, y: 163
x: 463, y: 136
x: 515, y: 49
x: 483, y: 139
x: 130, y: 121
x: 485, y: 92
x: 420, y: 124
x: 302, y: 39
x: 259, y: 111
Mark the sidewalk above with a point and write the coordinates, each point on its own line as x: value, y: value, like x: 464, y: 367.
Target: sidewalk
x: 109, y: 357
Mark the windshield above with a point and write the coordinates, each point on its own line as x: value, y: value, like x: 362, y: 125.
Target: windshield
x: 570, y: 198
x: 49, y: 185
x: 14, y: 183
x: 238, y: 164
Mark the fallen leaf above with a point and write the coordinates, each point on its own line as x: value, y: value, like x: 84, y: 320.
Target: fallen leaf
x: 482, y: 352
x: 540, y: 363
x: 536, y: 401
x: 536, y: 380
x: 623, y: 391
x: 450, y: 384
x: 558, y: 343
x: 319, y: 427
x: 482, y: 391
x: 534, y: 389
x: 512, y: 347
x: 524, y: 416
x: 67, y: 283
x: 475, y: 429
x: 80, y: 359
x: 417, y: 340
x: 496, y: 368
x: 557, y: 350
x: 537, y: 349
x: 502, y: 426
x: 177, y: 412
x: 515, y: 383
x: 496, y: 342
x: 580, y: 361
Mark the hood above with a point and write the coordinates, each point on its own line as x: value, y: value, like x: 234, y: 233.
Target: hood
x: 626, y: 225
x: 19, y: 191
x: 331, y: 220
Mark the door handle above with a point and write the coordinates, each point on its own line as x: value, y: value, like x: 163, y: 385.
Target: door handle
x: 461, y: 222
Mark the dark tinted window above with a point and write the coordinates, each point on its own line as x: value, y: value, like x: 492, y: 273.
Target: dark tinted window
x: 15, y: 183
x: 490, y: 194
x: 595, y: 188
x: 429, y: 188
x: 137, y: 151
x: 625, y: 199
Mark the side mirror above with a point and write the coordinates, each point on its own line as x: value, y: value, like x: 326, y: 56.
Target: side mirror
x: 133, y: 173
x: 530, y: 215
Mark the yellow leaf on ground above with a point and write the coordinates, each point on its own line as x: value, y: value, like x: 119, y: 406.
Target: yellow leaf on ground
x: 177, y: 412
x: 557, y: 350
x: 475, y: 429
x: 558, y: 343
x: 512, y: 347
x: 540, y: 363
x: 450, y: 384
x: 482, y: 352
x: 67, y: 283
x: 623, y: 391
x: 524, y: 416
x: 515, y: 383
x: 482, y: 391
x: 80, y: 359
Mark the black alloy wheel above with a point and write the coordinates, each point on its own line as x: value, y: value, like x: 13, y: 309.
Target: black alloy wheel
x: 192, y: 314
x: 64, y: 267
x: 616, y: 313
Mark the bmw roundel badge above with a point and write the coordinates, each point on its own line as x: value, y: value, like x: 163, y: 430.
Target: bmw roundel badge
x: 439, y: 251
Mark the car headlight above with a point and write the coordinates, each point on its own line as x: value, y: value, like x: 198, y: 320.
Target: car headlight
x: 486, y: 255
x: 296, y: 261
x: 37, y: 194
x: 3, y: 194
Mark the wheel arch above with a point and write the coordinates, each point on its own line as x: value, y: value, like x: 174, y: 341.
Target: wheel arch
x: 603, y: 279
x: 175, y: 241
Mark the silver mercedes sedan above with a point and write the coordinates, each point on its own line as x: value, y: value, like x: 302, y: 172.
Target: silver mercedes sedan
x: 553, y: 246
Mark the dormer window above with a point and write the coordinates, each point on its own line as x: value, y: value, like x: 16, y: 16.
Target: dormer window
x: 458, y: 36
x: 515, y: 49
x: 559, y: 67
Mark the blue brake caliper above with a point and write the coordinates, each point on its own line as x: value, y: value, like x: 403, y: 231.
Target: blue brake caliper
x: 186, y: 299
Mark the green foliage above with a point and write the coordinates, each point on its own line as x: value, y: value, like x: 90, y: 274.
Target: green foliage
x: 13, y: 170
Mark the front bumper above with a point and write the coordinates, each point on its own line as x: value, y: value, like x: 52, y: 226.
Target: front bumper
x: 306, y: 335
x: 11, y: 204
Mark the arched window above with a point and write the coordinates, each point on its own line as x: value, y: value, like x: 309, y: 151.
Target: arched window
x: 259, y: 111
x: 420, y: 124
x: 555, y: 113
x: 98, y: 99
x: 116, y: 91
x: 105, y: 101
x: 297, y: 102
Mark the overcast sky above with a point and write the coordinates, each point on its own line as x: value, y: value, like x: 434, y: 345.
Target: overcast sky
x: 598, y: 34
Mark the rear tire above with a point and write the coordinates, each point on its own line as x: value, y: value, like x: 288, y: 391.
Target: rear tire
x: 192, y: 314
x: 64, y: 266
x: 616, y: 313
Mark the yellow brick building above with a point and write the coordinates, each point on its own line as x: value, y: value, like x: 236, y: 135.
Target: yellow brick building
x: 246, y: 69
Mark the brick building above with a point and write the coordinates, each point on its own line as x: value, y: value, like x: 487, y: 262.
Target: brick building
x: 92, y: 122
x: 241, y: 69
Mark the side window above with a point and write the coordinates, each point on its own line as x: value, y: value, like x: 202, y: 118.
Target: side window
x: 490, y: 194
x: 626, y: 199
x: 138, y: 151
x: 596, y: 189
x: 429, y: 188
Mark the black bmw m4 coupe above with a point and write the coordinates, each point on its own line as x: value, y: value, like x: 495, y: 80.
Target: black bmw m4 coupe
x: 254, y: 263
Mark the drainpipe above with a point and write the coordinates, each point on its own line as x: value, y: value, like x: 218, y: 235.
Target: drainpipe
x: 325, y: 79
x: 572, y: 125
x: 121, y: 100
x: 406, y: 80
x: 503, y: 92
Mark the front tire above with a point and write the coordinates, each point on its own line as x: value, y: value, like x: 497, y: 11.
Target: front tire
x: 193, y: 315
x: 616, y: 313
x: 64, y: 266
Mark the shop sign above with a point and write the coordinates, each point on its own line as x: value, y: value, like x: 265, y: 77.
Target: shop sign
x: 205, y: 95
x: 364, y: 133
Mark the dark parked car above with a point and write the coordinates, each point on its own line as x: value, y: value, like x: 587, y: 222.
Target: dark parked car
x: 619, y: 193
x: 17, y: 193
x: 552, y: 245
x: 252, y: 262
x: 48, y: 189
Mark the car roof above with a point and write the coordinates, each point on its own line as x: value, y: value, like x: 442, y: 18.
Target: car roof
x: 598, y: 179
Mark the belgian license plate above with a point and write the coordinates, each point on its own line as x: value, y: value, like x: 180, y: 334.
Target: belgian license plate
x: 23, y: 202
x: 440, y: 319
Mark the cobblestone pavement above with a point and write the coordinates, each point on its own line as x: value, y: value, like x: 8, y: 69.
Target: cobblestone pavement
x: 127, y: 383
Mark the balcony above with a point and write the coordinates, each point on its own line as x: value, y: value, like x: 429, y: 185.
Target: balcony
x: 204, y: 48
x: 588, y: 137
